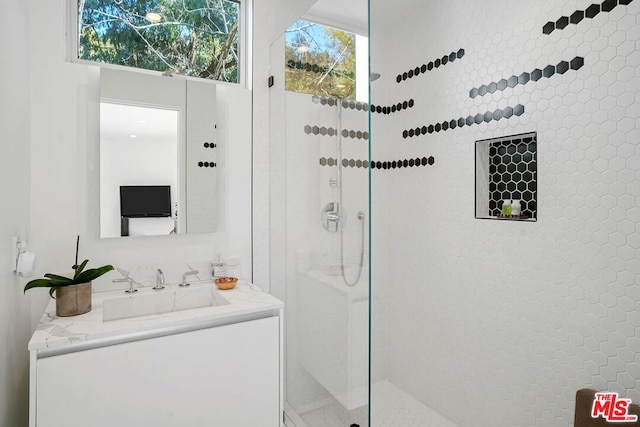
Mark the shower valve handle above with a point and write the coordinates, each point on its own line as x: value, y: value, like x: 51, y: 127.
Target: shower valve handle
x: 331, y: 218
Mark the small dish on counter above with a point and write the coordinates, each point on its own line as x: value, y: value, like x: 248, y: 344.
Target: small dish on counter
x: 226, y: 283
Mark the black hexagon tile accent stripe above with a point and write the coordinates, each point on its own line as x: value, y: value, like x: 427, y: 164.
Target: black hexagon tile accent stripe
x: 363, y: 106
x: 526, y: 77
x: 388, y: 109
x: 576, y: 17
x: 479, y: 118
x: 315, y: 68
x: 365, y: 164
x: 332, y: 102
x: 421, y: 69
x: 325, y: 131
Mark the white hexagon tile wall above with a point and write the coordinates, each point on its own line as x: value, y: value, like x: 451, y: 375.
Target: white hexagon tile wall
x: 498, y: 323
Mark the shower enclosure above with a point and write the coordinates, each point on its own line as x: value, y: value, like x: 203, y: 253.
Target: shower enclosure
x: 472, y: 316
x: 319, y: 135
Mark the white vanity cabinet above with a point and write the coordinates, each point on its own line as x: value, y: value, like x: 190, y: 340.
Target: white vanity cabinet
x: 226, y: 374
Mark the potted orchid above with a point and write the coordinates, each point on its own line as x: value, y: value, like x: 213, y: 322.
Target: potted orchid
x: 72, y: 294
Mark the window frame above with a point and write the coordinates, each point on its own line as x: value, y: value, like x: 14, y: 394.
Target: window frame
x: 244, y: 50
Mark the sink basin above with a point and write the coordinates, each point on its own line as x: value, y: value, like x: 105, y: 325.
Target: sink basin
x: 163, y: 301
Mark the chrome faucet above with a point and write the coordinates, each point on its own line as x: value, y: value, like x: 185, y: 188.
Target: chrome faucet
x: 131, y: 290
x: 184, y: 277
x: 159, y: 280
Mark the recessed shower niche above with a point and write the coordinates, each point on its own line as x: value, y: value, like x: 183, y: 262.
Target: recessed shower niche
x: 506, y: 177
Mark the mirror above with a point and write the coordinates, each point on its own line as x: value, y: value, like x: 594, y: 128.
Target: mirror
x: 158, y: 155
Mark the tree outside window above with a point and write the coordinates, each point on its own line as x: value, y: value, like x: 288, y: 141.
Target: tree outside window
x: 198, y: 38
x: 320, y: 60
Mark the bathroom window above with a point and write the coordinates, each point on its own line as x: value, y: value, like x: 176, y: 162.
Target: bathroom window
x: 196, y: 38
x: 325, y: 61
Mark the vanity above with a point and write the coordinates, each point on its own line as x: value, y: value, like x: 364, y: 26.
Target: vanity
x: 216, y: 364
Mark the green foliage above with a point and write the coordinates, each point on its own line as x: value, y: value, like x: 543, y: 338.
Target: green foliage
x: 192, y: 37
x: 331, y: 56
x: 80, y: 275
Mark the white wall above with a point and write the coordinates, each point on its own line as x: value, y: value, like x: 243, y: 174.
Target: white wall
x: 506, y: 320
x: 14, y: 193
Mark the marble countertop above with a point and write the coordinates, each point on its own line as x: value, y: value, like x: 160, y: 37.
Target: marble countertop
x: 67, y: 334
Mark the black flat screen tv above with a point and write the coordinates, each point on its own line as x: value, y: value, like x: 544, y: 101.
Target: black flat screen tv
x: 145, y: 201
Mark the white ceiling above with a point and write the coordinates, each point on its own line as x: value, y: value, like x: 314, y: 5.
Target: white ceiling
x: 118, y: 122
x: 350, y: 15
x: 353, y: 15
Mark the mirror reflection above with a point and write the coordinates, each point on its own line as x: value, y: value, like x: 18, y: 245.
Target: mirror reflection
x: 139, y: 170
x: 158, y: 155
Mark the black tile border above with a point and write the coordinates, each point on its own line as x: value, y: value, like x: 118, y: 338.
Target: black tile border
x: 315, y: 68
x: 346, y: 104
x: 479, y: 118
x: 414, y: 72
x: 329, y: 131
x: 365, y: 164
x: 526, y: 77
x: 207, y: 164
x: 363, y: 106
x: 576, y: 17
x: 388, y: 109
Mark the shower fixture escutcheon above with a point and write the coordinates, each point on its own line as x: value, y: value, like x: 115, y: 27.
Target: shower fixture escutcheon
x: 331, y: 217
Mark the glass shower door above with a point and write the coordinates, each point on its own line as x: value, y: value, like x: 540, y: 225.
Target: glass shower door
x: 319, y: 245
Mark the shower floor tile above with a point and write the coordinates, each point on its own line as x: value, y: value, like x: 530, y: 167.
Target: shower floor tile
x: 391, y: 406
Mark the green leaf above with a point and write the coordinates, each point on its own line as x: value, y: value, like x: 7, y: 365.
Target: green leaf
x: 80, y: 268
x: 52, y: 291
x: 93, y: 274
x: 57, y: 280
x: 38, y: 283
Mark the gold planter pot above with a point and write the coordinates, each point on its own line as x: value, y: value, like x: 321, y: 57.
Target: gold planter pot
x: 73, y: 300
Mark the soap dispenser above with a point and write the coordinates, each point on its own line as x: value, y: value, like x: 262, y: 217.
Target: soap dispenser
x: 219, y: 269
